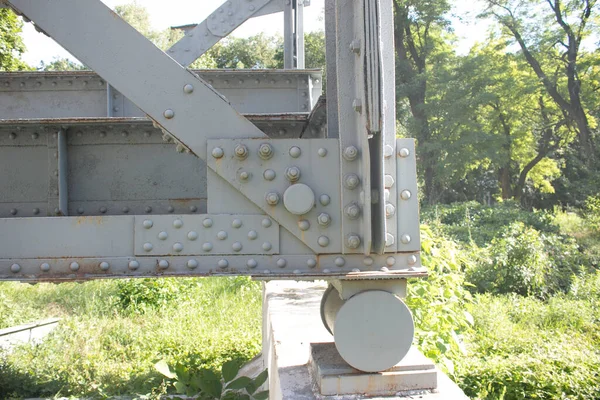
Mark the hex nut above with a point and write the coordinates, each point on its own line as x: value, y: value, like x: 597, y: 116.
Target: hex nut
x: 265, y: 151
x: 292, y: 174
x: 352, y: 211
x: 272, y: 198
x: 353, y: 241
x: 388, y: 181
x: 351, y: 181
x: 324, y: 219
x: 350, y: 153
x: 241, y: 152
x: 390, y: 210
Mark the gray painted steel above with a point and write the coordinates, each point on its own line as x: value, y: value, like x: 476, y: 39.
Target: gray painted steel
x: 205, y: 235
x: 66, y: 237
x: 116, y: 58
x: 84, y: 94
x: 355, y: 194
x: 264, y: 177
x: 409, y: 238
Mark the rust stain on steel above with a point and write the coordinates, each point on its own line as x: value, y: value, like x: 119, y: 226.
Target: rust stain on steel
x: 89, y: 219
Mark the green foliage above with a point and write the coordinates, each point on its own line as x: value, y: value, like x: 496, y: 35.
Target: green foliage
x: 206, y: 384
x: 258, y: 51
x: 591, y: 212
x: 62, y: 64
x: 439, y: 303
x: 517, y: 263
x: 524, y: 348
x: 98, y: 351
x: 11, y: 42
x: 473, y: 222
x: 140, y: 295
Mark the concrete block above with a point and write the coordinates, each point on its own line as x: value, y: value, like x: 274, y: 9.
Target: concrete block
x: 334, y: 376
x: 292, y: 322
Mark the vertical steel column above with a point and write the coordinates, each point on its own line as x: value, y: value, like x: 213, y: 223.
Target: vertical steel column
x: 293, y: 34
x: 57, y: 173
x: 299, y: 21
x: 63, y: 173
x: 288, y: 35
x: 355, y: 162
x: 331, y: 69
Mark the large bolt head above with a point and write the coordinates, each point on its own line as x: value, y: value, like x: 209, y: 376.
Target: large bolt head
x: 265, y: 151
x: 351, y: 181
x: 272, y: 198
x: 388, y: 181
x: 241, y: 152
x: 292, y: 174
x: 350, y: 153
x: 352, y: 211
x: 324, y: 219
x: 390, y: 210
x: 353, y: 241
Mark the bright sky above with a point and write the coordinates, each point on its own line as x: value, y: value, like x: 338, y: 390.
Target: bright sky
x: 180, y: 12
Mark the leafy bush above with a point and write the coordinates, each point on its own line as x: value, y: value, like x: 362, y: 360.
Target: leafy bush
x: 439, y: 303
x: 140, y: 295
x: 516, y: 263
x: 591, y: 212
x: 209, y: 385
x: 473, y: 222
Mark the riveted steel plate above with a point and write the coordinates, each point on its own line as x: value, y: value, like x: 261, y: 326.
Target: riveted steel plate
x: 297, y: 267
x: 73, y: 94
x: 408, y: 237
x: 316, y: 161
x: 66, y: 237
x: 206, y: 235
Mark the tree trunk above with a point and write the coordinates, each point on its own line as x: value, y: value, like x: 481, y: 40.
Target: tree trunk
x: 505, y: 182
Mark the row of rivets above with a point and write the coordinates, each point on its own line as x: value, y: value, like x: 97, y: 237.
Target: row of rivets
x: 207, y: 223
x: 404, y: 195
x: 125, y: 210
x: 53, y: 83
x: 265, y: 151
x: 223, y: 263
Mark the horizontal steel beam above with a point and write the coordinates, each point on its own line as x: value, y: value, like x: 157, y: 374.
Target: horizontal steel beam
x: 116, y: 166
x: 84, y: 94
x: 296, y: 267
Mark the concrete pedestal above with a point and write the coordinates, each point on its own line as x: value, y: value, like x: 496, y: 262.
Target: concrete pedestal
x: 293, y: 335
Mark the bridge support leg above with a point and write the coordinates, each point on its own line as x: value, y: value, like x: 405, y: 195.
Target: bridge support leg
x: 372, y: 327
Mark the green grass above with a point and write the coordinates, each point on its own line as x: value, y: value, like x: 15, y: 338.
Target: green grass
x: 101, y: 349
x: 525, y: 348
